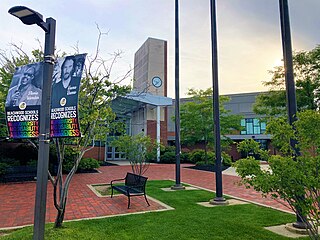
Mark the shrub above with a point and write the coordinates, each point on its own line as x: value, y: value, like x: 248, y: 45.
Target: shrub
x: 70, y: 155
x: 25, y: 153
x: 32, y: 163
x: 203, y: 163
x: 9, y: 161
x: 88, y: 164
x: 185, y: 157
x: 226, y: 159
x: 168, y: 157
x: 3, y: 168
x: 199, y: 155
x: 165, y: 149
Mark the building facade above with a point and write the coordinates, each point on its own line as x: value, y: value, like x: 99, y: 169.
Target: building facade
x: 147, y: 110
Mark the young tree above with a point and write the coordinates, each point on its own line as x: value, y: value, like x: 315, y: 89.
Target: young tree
x: 290, y: 177
x: 307, y: 78
x: 197, y: 119
x: 135, y: 148
x: 96, y: 119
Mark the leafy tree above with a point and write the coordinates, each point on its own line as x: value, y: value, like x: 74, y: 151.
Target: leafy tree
x: 307, y: 77
x: 252, y: 147
x: 135, y: 148
x: 248, y: 146
x: 290, y: 177
x: 197, y: 119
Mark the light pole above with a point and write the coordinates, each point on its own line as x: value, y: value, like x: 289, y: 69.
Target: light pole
x: 290, y: 85
x: 219, y: 199
x: 29, y: 17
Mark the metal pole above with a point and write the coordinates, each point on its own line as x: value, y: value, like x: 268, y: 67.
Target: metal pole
x: 158, y: 133
x: 177, y: 102
x: 289, y: 79
x: 43, y: 155
x: 216, y: 111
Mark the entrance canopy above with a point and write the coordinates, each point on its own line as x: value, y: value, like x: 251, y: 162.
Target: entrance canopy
x: 127, y: 104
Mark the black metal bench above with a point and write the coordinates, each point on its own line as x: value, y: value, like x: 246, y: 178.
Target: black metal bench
x: 134, y: 185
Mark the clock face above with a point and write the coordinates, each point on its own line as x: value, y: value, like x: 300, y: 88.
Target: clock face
x: 156, y: 82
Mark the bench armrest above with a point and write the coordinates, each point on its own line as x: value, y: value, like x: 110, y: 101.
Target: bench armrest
x: 117, y: 180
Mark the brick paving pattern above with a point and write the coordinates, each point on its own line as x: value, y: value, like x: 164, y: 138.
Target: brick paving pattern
x: 17, y: 199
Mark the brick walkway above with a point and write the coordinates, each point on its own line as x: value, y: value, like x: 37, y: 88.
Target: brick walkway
x: 17, y: 200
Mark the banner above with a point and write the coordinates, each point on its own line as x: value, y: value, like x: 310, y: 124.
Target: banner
x: 23, y: 101
x: 64, y: 98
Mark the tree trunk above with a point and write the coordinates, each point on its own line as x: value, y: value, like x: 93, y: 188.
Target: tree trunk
x: 60, y: 216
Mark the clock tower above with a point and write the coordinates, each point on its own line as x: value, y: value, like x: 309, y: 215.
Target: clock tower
x: 150, y: 76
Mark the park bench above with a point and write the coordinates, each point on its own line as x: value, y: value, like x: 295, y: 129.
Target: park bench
x: 134, y: 185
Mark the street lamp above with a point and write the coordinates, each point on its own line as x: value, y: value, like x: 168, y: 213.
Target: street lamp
x: 30, y: 17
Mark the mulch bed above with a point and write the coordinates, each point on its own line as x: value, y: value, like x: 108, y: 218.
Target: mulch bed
x: 209, y: 167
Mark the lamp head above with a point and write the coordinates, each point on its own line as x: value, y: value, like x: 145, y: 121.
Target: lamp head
x: 26, y: 15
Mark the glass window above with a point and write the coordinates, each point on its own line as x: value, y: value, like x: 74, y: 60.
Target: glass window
x: 252, y: 126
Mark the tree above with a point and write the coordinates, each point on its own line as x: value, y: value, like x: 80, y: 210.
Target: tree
x: 290, y: 177
x: 197, y: 119
x: 96, y: 117
x: 248, y: 146
x: 307, y: 77
x: 135, y: 149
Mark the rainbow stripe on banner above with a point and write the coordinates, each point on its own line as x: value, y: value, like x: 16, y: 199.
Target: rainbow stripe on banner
x: 28, y: 129
x: 68, y: 127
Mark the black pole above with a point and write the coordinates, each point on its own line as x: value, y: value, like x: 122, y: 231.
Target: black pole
x: 216, y: 112
x: 177, y: 102
x: 43, y: 155
x: 289, y: 79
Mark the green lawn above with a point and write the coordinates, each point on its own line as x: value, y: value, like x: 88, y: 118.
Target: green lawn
x: 187, y: 221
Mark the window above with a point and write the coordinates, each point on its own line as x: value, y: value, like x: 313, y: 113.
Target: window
x: 252, y: 126
x: 263, y: 143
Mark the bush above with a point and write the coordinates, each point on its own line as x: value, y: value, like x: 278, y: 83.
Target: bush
x: 151, y: 156
x: 185, y: 157
x: 165, y: 149
x: 168, y: 157
x: 226, y: 159
x: 32, y: 163
x: 70, y: 155
x: 203, y: 163
x: 24, y: 153
x: 9, y: 161
x: 199, y: 155
x: 3, y: 168
x: 88, y: 164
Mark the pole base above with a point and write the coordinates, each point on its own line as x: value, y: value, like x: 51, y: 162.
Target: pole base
x: 300, y: 225
x: 178, y: 187
x: 221, y: 201
x: 301, y: 229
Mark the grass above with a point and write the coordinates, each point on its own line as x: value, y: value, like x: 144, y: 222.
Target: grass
x: 187, y: 221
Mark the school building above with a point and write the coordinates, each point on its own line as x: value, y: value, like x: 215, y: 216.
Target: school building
x: 149, y: 111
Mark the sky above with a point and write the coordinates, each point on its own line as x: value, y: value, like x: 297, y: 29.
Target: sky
x: 248, y: 31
